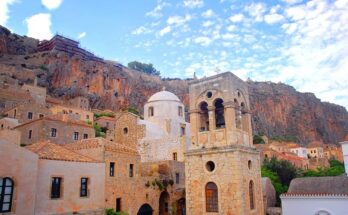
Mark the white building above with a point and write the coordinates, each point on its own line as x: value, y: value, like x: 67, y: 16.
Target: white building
x: 166, y: 132
x: 344, y: 145
x: 316, y: 196
x: 300, y: 151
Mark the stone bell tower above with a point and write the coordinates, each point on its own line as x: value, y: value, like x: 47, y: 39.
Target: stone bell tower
x: 222, y: 167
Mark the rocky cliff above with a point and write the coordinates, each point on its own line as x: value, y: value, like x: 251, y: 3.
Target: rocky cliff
x: 277, y: 109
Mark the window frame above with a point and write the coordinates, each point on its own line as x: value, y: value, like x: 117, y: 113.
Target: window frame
x: 211, y: 198
x: 58, y: 195
x: 30, y: 115
x: 30, y: 135
x: 112, y: 169
x: 53, y: 132
x: 131, y: 170
x: 85, y: 136
x: 76, y: 135
x: 84, y: 192
x: 3, y: 187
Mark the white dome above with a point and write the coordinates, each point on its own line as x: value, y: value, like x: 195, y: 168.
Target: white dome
x: 163, y: 96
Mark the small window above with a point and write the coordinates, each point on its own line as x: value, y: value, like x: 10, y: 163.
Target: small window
x: 251, y: 195
x: 182, y: 131
x: 87, y: 116
x: 85, y: 136
x: 30, y: 134
x: 177, y: 178
x: 84, y: 187
x: 15, y: 113
x: 53, y: 132
x: 118, y: 205
x: 249, y: 164
x: 125, y: 130
x: 175, y: 156
x: 41, y: 116
x: 2, y: 126
x: 6, y: 194
x: 209, y: 94
x: 76, y: 135
x: 131, y: 170
x: 56, y: 187
x: 210, y: 165
x: 180, y: 113
x: 151, y: 111
x: 30, y: 115
x: 112, y: 169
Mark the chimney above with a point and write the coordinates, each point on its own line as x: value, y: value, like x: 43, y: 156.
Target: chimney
x: 344, y: 146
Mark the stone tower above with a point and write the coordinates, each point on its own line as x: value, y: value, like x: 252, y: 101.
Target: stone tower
x: 222, y: 167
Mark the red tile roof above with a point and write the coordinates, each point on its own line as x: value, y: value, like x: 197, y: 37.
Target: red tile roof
x: 51, y: 151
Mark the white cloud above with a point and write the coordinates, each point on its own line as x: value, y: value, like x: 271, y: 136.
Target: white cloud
x: 256, y: 10
x: 81, y: 35
x: 165, y: 31
x: 208, y: 13
x: 141, y: 30
x: 207, y: 23
x: 237, y: 18
x: 292, y: 1
x: 178, y: 20
x: 51, y: 4
x: 39, y: 26
x: 203, y: 41
x: 189, y: 71
x: 231, y: 28
x: 4, y: 10
x: 273, y: 18
x: 193, y: 3
x: 157, y: 11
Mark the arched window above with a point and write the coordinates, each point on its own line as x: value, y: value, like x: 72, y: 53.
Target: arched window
x: 238, y: 114
x: 204, y: 118
x: 151, y: 111
x: 219, y: 113
x: 211, y: 197
x: 251, y: 195
x: 6, y: 193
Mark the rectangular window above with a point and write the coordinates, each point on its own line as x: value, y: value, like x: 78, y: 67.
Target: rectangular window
x: 84, y: 187
x: 87, y: 116
x: 76, y: 135
x: 30, y: 115
x: 180, y: 111
x: 41, y: 116
x: 131, y: 169
x: 118, y: 205
x: 182, y: 131
x: 112, y: 169
x: 30, y: 134
x: 177, y: 178
x: 53, y: 132
x: 85, y: 136
x: 175, y: 156
x: 56, y: 187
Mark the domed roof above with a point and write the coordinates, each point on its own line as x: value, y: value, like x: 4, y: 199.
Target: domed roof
x: 163, y: 96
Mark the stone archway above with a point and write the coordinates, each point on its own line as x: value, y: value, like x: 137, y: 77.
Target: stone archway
x: 181, y: 207
x: 164, y: 203
x: 145, y: 209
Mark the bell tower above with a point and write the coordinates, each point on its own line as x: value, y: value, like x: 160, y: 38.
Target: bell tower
x: 222, y: 167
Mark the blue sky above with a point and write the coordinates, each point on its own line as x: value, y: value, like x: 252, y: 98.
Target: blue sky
x: 298, y: 42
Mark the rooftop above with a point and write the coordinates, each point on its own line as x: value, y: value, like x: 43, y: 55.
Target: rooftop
x: 335, y: 185
x: 163, y: 96
x: 51, y: 151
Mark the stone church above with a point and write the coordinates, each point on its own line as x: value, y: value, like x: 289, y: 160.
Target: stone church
x: 222, y: 167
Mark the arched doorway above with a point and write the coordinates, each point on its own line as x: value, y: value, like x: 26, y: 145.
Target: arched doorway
x: 181, y: 207
x: 145, y: 209
x: 164, y: 203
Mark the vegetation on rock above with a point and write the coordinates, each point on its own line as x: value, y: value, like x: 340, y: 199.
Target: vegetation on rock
x: 143, y: 67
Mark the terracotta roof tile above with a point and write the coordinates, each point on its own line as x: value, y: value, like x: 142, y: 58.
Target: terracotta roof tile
x: 51, y: 151
x: 100, y: 142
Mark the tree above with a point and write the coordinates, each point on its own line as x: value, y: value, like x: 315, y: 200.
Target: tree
x: 143, y: 67
x: 257, y: 139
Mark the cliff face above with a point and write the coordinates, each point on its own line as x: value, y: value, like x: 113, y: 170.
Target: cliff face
x: 277, y: 109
